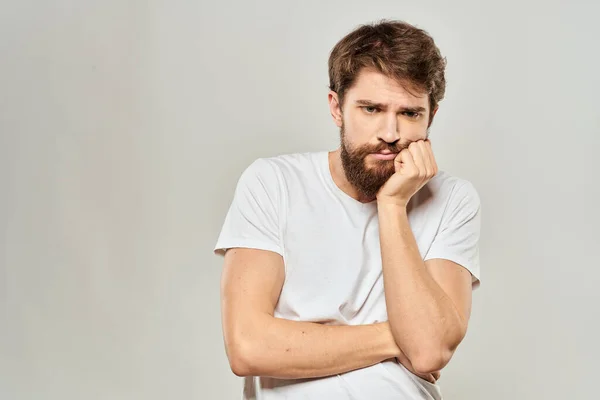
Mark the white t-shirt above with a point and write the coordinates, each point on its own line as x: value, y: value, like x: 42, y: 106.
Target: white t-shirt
x: 329, y: 242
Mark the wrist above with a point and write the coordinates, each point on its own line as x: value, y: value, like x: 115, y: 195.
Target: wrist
x: 387, y: 209
x: 392, y: 349
x: 391, y: 201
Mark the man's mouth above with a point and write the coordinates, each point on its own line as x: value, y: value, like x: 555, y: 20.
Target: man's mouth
x: 384, y: 155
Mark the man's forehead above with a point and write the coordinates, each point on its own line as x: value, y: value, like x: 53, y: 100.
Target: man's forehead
x: 379, y: 88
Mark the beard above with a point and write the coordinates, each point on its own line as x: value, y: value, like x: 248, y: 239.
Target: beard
x: 367, y: 179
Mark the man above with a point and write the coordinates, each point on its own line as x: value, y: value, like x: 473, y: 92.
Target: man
x: 348, y: 274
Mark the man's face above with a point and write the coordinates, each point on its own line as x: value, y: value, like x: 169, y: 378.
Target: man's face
x: 379, y: 118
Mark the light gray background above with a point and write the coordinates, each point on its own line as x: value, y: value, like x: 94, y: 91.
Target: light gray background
x: 125, y: 125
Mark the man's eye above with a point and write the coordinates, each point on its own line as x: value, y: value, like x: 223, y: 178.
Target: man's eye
x: 412, y: 114
x: 370, y: 110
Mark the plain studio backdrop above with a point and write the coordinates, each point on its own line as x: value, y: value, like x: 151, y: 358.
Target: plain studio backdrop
x: 125, y: 126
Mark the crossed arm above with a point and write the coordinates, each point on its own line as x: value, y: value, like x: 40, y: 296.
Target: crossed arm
x: 428, y: 303
x: 259, y: 344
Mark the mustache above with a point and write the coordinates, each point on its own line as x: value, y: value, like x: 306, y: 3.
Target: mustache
x: 393, y: 147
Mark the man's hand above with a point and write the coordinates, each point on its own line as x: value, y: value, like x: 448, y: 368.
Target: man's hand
x: 414, y: 166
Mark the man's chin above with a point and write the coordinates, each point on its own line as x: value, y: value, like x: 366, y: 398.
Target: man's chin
x: 381, y: 174
x: 376, y: 181
x: 381, y: 166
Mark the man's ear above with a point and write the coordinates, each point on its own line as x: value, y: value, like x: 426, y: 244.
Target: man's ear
x: 435, y: 110
x: 335, y: 108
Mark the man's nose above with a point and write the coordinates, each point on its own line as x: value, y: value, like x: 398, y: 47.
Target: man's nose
x: 390, y: 132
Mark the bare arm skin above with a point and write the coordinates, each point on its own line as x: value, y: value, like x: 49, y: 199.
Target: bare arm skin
x: 429, y: 303
x: 259, y: 344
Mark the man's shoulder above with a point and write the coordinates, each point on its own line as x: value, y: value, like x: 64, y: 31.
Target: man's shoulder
x: 444, y: 179
x: 282, y: 171
x: 448, y: 186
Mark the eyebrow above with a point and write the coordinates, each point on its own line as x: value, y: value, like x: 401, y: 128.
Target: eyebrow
x: 369, y: 103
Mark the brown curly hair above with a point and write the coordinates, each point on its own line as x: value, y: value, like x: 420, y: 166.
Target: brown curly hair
x: 397, y: 49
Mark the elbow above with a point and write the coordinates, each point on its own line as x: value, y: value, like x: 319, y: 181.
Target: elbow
x: 435, y: 356
x: 431, y: 361
x: 244, y: 346
x: 240, y: 361
x: 239, y: 366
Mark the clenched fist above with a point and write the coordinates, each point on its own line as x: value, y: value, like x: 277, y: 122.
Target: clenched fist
x: 414, y: 167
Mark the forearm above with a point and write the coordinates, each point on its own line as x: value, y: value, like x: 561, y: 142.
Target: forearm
x: 423, y: 319
x: 281, y: 348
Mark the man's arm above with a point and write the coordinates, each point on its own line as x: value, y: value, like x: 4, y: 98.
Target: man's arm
x: 429, y: 302
x: 259, y: 344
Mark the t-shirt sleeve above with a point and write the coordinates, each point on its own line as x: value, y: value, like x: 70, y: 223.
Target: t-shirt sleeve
x: 458, y: 237
x: 252, y: 220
